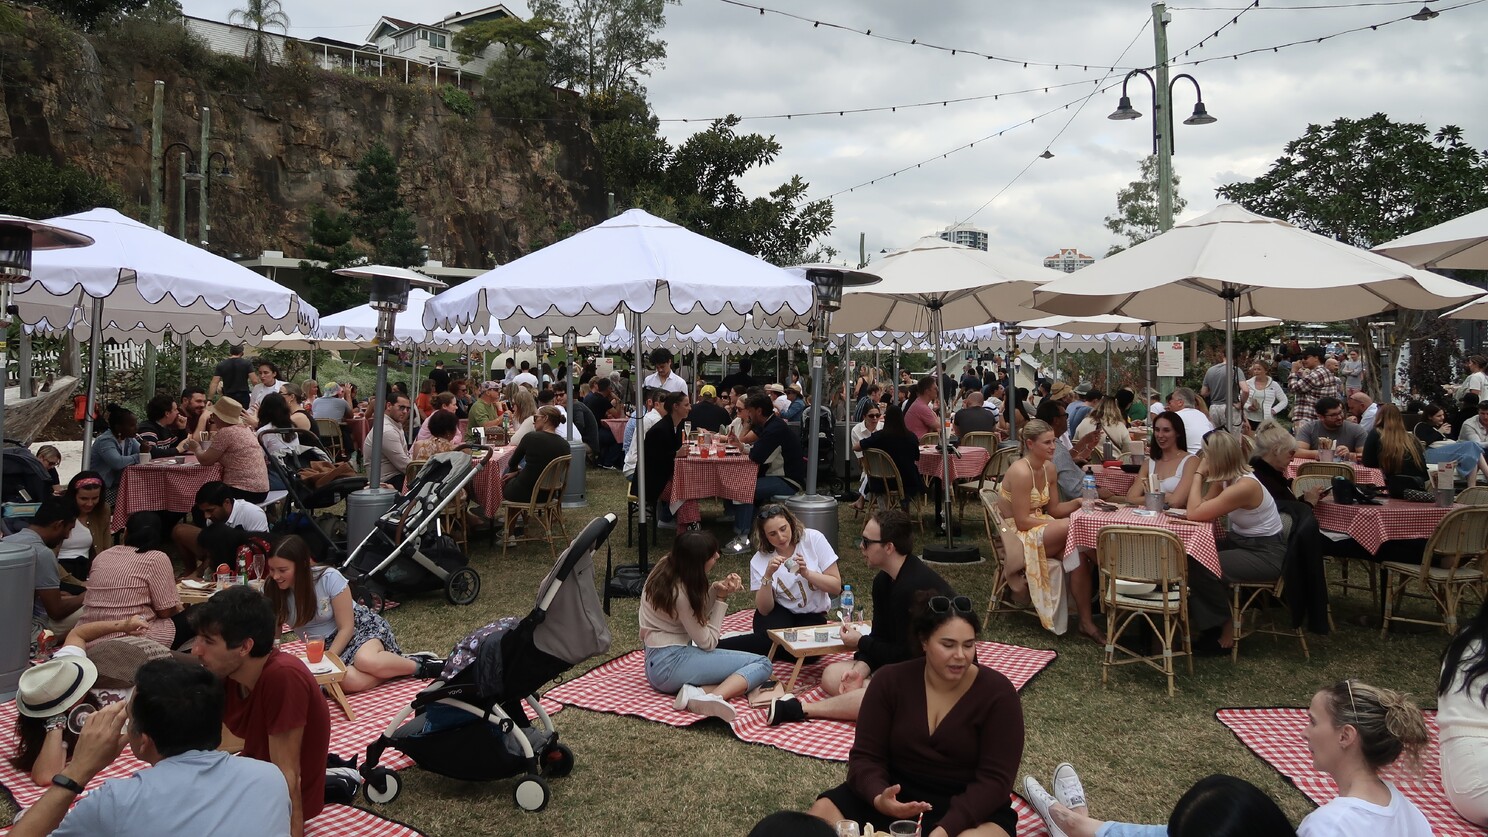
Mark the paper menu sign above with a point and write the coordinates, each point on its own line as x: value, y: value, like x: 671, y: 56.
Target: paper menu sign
x: 1170, y: 359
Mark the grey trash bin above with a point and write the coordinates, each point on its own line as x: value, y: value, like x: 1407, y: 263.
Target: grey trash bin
x: 17, y: 593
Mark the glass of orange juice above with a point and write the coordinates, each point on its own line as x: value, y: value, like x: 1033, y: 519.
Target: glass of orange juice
x: 314, y: 648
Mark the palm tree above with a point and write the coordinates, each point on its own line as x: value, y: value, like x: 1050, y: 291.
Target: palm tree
x: 260, y: 15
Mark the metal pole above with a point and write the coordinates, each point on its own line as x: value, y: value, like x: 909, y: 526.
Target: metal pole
x: 379, y: 403
x: 639, y: 440
x: 23, y: 361
x: 813, y: 440
x: 157, y: 160
x: 5, y: 289
x: 414, y: 383
x: 1162, y: 119
x: 185, y: 345
x: 945, y: 409
x: 894, y: 385
x: 573, y: 492
x: 1110, y: 390
x: 181, y: 199
x: 95, y: 350
x: 847, y: 415
x: 1229, y: 294
x: 203, y: 227
x: 1010, y: 395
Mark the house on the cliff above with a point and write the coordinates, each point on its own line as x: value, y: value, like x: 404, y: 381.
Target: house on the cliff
x: 394, y: 48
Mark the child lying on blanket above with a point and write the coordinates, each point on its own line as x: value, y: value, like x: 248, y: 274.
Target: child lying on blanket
x: 1354, y: 730
x: 886, y: 542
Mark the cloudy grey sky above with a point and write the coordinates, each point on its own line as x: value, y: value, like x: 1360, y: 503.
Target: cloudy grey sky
x: 727, y: 59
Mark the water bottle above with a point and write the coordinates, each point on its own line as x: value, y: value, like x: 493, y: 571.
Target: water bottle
x: 1089, y: 493
x: 847, y: 602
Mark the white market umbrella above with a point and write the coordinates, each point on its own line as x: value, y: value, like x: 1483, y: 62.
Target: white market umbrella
x: 359, y: 325
x: 151, y: 283
x: 658, y: 273
x: 1231, y: 263
x: 933, y: 285
x: 1461, y: 244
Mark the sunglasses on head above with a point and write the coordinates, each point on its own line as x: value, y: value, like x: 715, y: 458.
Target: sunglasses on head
x: 772, y: 510
x: 944, y: 604
x: 876, y: 415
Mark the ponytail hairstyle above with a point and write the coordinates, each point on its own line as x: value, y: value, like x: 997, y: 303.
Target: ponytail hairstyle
x: 1388, y: 722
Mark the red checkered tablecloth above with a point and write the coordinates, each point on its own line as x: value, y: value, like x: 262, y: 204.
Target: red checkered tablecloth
x: 487, y: 483
x: 1371, y: 526
x: 967, y: 466
x: 1198, y: 538
x: 1363, y: 474
x: 1276, y: 737
x: 617, y: 427
x: 358, y: 428
x: 1113, y: 479
x: 732, y: 478
x: 160, y: 488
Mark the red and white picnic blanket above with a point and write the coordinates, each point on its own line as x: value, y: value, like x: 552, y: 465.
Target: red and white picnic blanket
x: 487, y: 483
x: 1372, y: 525
x: 1363, y: 474
x: 967, y: 466
x: 1275, y: 735
x: 160, y: 487
x: 1198, y: 538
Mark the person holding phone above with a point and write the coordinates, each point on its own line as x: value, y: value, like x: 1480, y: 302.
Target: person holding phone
x: 794, y: 576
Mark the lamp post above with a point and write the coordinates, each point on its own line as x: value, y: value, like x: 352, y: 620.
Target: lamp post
x: 389, y: 292
x: 817, y: 511
x: 19, y: 237
x: 573, y: 492
x: 203, y: 225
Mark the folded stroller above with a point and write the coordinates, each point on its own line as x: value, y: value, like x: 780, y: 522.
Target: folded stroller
x: 470, y: 724
x: 405, y: 554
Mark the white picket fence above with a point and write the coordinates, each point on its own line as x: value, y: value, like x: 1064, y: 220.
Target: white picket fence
x: 116, y: 357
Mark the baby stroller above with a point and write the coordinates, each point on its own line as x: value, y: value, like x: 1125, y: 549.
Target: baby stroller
x: 303, y: 499
x: 470, y: 724
x: 405, y: 554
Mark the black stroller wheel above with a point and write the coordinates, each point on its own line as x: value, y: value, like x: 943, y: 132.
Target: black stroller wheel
x: 531, y: 793
x: 463, y: 586
x: 558, y: 761
x: 367, y: 594
x: 382, y: 786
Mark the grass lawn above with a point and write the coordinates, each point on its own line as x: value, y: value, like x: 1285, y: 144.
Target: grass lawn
x: 1137, y: 749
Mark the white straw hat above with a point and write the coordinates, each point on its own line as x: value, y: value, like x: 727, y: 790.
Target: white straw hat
x: 54, y: 686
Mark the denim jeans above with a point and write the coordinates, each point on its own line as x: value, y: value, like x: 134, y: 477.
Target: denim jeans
x: 1126, y: 829
x: 1466, y: 454
x: 671, y: 667
x: 765, y: 491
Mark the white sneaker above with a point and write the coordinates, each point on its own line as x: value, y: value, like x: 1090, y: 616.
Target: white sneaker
x: 1067, y: 787
x: 1041, y: 802
x: 711, y: 705
x: 686, y: 695
x: 737, y: 546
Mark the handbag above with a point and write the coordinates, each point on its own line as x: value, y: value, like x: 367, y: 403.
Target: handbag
x: 1346, y: 493
x: 1401, y: 486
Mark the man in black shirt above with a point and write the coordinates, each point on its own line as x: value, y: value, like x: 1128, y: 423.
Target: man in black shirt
x: 163, y: 429
x: 782, y: 466
x: 231, y: 377
x: 440, y: 377
x: 740, y: 378
x: 706, y: 414
x: 887, y: 541
x: 663, y: 446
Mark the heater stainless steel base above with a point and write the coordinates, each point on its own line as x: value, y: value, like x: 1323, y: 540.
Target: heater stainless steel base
x: 816, y: 511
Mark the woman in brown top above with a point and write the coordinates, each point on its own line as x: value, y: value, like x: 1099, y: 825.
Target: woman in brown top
x: 959, y: 777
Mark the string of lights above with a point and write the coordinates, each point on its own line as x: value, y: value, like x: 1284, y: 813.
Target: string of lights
x: 1305, y: 41
x: 1215, y: 34
x: 1301, y: 8
x: 1083, y: 65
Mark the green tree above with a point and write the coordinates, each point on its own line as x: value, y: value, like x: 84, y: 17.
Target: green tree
x: 35, y: 187
x: 1367, y: 181
x: 602, y: 47
x: 378, y: 215
x: 92, y: 14
x: 1136, y: 216
x: 260, y: 16
x: 332, y: 245
x: 520, y: 81
x: 628, y: 137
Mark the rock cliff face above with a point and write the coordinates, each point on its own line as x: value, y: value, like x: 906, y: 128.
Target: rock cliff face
x: 484, y: 190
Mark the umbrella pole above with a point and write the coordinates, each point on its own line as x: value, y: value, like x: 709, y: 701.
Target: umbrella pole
x: 414, y: 385
x: 1056, y: 375
x: 813, y: 440
x: 1109, y: 388
x: 639, y: 440
x: 950, y: 553
x: 894, y: 384
x: 95, y: 351
x: 181, y: 338
x: 1010, y: 401
x: 847, y: 416
x: 1147, y: 366
x: 1229, y: 298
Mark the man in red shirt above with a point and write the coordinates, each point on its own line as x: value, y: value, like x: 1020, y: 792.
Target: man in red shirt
x: 273, y: 703
x: 920, y: 418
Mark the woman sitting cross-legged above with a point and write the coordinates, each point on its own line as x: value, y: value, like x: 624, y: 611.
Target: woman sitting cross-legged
x: 681, y: 616
x: 1354, y: 730
x: 316, y: 601
x: 1036, y: 567
x: 939, y: 737
x: 794, y: 576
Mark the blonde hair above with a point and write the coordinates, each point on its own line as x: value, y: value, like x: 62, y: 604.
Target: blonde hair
x: 524, y: 404
x: 1109, y: 413
x: 1225, y: 455
x: 1271, y: 438
x: 1032, y: 430
x: 1388, y: 722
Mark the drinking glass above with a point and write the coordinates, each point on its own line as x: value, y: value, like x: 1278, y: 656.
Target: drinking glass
x: 847, y: 828
x: 314, y: 648
x: 904, y: 828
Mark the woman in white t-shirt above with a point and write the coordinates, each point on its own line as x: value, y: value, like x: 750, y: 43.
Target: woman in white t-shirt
x: 1354, y: 730
x: 1477, y: 379
x: 1462, y: 715
x: 794, y: 576
x: 316, y: 601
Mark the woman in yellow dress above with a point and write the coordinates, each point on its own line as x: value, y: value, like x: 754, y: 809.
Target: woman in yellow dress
x: 1037, y: 568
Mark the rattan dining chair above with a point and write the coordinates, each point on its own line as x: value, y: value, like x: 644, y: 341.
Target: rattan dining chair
x: 1477, y: 495
x: 984, y: 439
x: 545, y: 508
x: 929, y: 439
x: 992, y: 473
x: 329, y: 431
x: 1145, y: 555
x: 1258, y: 599
x: 1326, y: 469
x: 1451, y: 565
x: 880, y: 466
x: 998, y: 602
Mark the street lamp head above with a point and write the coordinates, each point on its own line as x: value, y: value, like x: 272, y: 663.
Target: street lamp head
x: 1124, y: 110
x: 1425, y: 14
x: 1200, y: 116
x: 193, y: 172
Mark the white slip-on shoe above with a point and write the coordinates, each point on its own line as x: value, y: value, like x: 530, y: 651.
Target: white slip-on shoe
x: 1041, y: 802
x: 711, y: 705
x: 1067, y: 787
x: 684, y: 696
